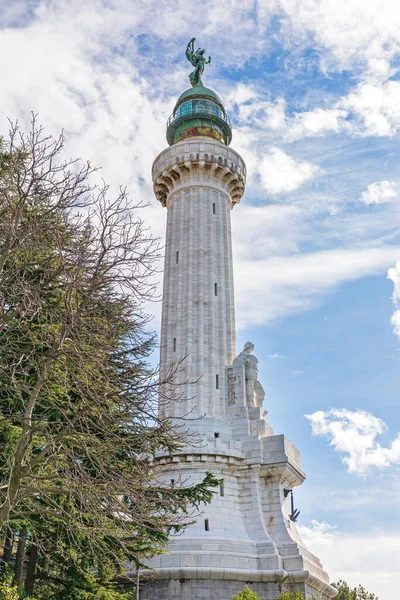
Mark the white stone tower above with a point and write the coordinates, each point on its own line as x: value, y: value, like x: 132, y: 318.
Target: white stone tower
x: 247, y: 534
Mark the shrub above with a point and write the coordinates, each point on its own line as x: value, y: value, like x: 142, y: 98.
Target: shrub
x: 247, y: 594
x: 297, y: 595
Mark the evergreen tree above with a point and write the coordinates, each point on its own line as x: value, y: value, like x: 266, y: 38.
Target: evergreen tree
x: 79, y: 430
x: 356, y: 593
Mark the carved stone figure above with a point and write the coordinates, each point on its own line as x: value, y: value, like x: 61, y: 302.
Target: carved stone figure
x: 254, y: 390
x: 198, y: 60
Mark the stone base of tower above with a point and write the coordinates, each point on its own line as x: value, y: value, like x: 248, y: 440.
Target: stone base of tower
x: 248, y: 532
x: 221, y: 589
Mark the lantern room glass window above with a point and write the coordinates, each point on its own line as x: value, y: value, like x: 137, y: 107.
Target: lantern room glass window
x: 199, y: 107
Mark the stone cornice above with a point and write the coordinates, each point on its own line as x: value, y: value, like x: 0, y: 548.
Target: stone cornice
x: 202, y: 457
x: 198, y: 162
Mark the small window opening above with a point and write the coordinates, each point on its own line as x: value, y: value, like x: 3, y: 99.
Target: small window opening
x: 217, y: 382
x: 206, y: 525
x: 172, y: 482
x: 216, y: 434
x: 215, y: 289
x: 177, y: 258
x: 214, y: 208
x: 174, y: 344
x: 222, y: 489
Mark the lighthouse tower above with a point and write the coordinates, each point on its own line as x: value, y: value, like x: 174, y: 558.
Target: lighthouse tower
x: 248, y: 533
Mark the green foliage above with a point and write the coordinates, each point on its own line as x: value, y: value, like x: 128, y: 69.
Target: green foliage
x: 7, y: 592
x: 356, y: 593
x: 79, y: 428
x: 247, y: 594
x: 11, y: 592
x: 79, y: 585
x: 345, y: 593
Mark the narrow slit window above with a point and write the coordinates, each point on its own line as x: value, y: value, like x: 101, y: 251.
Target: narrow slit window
x: 172, y: 482
x: 217, y: 382
x: 174, y: 344
x: 222, y: 489
x: 206, y: 525
x: 177, y: 258
x: 215, y: 289
x: 213, y: 208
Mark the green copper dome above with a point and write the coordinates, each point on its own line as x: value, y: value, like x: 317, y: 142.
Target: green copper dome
x: 199, y: 112
x: 198, y: 91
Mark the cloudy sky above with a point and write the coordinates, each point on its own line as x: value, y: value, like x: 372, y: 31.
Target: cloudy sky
x: 313, y: 88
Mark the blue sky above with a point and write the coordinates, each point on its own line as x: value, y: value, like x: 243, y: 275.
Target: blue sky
x: 313, y: 88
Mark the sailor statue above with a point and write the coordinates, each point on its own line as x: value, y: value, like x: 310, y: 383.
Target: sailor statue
x: 254, y: 390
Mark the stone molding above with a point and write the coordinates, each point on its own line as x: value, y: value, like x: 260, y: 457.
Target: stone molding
x: 273, y: 456
x: 242, y: 575
x: 196, y: 162
x: 204, y: 456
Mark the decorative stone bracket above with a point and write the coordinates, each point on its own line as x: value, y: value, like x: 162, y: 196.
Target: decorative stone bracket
x: 192, y: 163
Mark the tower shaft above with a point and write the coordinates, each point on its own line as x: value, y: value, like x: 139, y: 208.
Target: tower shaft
x: 203, y: 180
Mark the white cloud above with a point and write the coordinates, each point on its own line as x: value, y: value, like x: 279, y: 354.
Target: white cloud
x: 379, y: 192
x: 276, y: 356
x: 371, y: 108
x: 297, y: 373
x: 375, y: 107
x: 369, y: 559
x: 253, y: 109
x: 349, y: 35
x: 281, y: 173
x: 354, y: 433
x: 394, y: 275
x: 395, y: 321
x: 260, y: 231
x: 262, y: 113
x: 315, y: 123
x: 239, y: 95
x: 283, y: 285
x: 63, y: 66
x: 347, y: 32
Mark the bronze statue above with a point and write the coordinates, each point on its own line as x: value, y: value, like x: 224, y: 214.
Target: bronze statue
x: 198, y: 60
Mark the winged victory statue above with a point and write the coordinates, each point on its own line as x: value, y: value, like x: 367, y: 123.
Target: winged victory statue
x: 198, y: 60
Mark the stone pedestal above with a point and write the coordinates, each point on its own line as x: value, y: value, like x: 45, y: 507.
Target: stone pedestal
x: 249, y: 537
